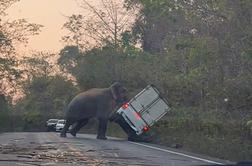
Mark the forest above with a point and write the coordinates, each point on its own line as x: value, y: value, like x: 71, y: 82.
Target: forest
x: 198, y: 53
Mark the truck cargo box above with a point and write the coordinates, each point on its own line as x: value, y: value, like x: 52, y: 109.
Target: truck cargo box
x: 142, y: 111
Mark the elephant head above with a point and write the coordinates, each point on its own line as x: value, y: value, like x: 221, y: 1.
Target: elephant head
x: 119, y: 93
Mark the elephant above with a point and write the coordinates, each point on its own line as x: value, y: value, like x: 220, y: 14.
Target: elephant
x: 94, y: 103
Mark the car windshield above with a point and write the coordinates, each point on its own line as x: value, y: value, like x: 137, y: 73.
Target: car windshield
x: 61, y: 122
x: 53, y: 121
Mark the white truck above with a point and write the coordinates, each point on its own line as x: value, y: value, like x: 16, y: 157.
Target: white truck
x: 141, y: 112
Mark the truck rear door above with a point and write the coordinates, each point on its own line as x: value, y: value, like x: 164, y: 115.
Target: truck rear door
x: 144, y: 98
x: 155, y: 111
x: 150, y: 105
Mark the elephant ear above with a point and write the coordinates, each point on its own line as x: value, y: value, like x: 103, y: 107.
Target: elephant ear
x: 115, y: 90
x: 118, y: 92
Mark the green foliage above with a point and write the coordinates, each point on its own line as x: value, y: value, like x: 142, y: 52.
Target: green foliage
x: 3, y: 103
x: 249, y: 128
x: 32, y: 118
x: 68, y: 57
x: 46, y: 97
x: 40, y: 64
x: 4, y: 113
x: 12, y: 34
x: 4, y: 121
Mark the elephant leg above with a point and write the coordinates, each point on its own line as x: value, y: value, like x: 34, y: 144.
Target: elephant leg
x: 102, y: 128
x: 65, y: 128
x: 79, y: 124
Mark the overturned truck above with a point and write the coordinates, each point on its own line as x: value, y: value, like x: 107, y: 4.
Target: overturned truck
x: 141, y: 112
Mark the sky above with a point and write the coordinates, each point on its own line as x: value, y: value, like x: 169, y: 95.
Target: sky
x: 49, y: 13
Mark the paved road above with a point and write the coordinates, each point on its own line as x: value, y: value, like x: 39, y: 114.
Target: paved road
x: 29, y: 149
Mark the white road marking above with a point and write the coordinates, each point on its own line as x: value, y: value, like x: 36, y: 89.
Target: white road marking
x: 177, y: 153
x: 116, y: 155
x: 23, y: 164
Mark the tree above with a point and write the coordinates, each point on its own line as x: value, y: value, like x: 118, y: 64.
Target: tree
x: 12, y: 33
x: 3, y: 103
x: 69, y: 56
x: 39, y: 64
x: 45, y: 97
x: 4, y: 113
x: 157, y: 21
x: 207, y: 42
x: 102, y: 25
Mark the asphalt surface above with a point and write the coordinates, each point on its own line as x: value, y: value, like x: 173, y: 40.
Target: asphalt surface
x: 37, y: 149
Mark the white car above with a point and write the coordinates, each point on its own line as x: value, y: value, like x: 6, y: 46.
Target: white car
x: 51, y: 124
x: 60, y: 124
